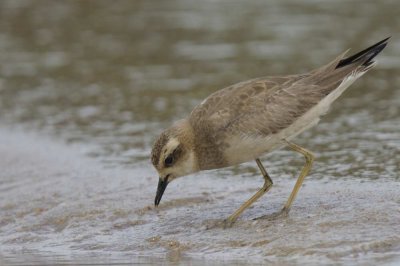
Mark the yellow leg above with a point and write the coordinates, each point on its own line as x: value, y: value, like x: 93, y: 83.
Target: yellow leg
x: 304, y: 172
x: 267, y: 185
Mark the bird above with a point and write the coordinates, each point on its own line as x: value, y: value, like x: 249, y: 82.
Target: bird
x: 243, y: 121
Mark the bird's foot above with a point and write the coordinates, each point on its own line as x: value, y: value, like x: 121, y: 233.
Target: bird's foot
x: 281, y: 214
x: 228, y: 223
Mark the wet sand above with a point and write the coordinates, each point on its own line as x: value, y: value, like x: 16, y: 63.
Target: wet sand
x: 95, y: 83
x: 55, y: 201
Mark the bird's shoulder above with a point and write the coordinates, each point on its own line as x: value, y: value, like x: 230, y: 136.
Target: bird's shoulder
x: 227, y: 105
x: 230, y: 101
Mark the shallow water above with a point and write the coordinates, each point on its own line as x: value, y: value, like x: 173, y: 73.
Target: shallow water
x: 85, y: 88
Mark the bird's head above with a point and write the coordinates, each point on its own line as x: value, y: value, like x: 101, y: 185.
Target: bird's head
x: 173, y: 155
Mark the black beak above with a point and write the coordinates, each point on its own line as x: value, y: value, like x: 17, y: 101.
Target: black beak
x: 162, y: 185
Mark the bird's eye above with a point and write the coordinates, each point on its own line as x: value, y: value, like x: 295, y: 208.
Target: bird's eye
x: 168, y: 161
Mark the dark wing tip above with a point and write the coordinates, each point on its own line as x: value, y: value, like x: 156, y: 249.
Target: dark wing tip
x: 365, y: 55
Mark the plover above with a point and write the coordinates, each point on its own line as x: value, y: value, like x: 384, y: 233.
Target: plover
x: 246, y: 120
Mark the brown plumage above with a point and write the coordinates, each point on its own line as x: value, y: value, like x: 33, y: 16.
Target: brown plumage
x: 241, y: 122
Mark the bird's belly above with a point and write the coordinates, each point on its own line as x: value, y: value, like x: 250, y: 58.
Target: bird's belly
x: 244, y: 149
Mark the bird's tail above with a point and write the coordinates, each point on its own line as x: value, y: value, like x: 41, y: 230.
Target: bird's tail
x: 342, y: 72
x: 330, y: 75
x: 364, y: 58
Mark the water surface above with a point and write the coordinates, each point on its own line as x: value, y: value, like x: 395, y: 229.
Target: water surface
x: 86, y: 87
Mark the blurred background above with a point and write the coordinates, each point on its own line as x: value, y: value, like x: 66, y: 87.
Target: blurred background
x: 113, y: 75
x: 106, y: 77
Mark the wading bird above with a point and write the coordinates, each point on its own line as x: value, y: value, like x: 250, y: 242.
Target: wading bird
x: 246, y: 120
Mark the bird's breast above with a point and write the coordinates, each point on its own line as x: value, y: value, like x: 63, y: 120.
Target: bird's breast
x: 208, y: 147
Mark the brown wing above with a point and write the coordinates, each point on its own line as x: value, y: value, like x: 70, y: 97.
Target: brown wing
x: 226, y: 105
x: 263, y: 106
x: 257, y: 107
x: 273, y: 111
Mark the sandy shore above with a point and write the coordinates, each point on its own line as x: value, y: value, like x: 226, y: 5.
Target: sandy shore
x: 54, y: 200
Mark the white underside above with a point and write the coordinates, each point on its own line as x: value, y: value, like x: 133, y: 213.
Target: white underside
x: 248, y: 148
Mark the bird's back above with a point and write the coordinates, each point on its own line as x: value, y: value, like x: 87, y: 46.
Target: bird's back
x: 249, y: 118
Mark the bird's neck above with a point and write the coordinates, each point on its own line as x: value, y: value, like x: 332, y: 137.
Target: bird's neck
x: 184, y: 131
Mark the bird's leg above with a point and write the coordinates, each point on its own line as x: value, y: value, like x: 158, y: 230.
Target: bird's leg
x: 304, y: 172
x: 267, y: 185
